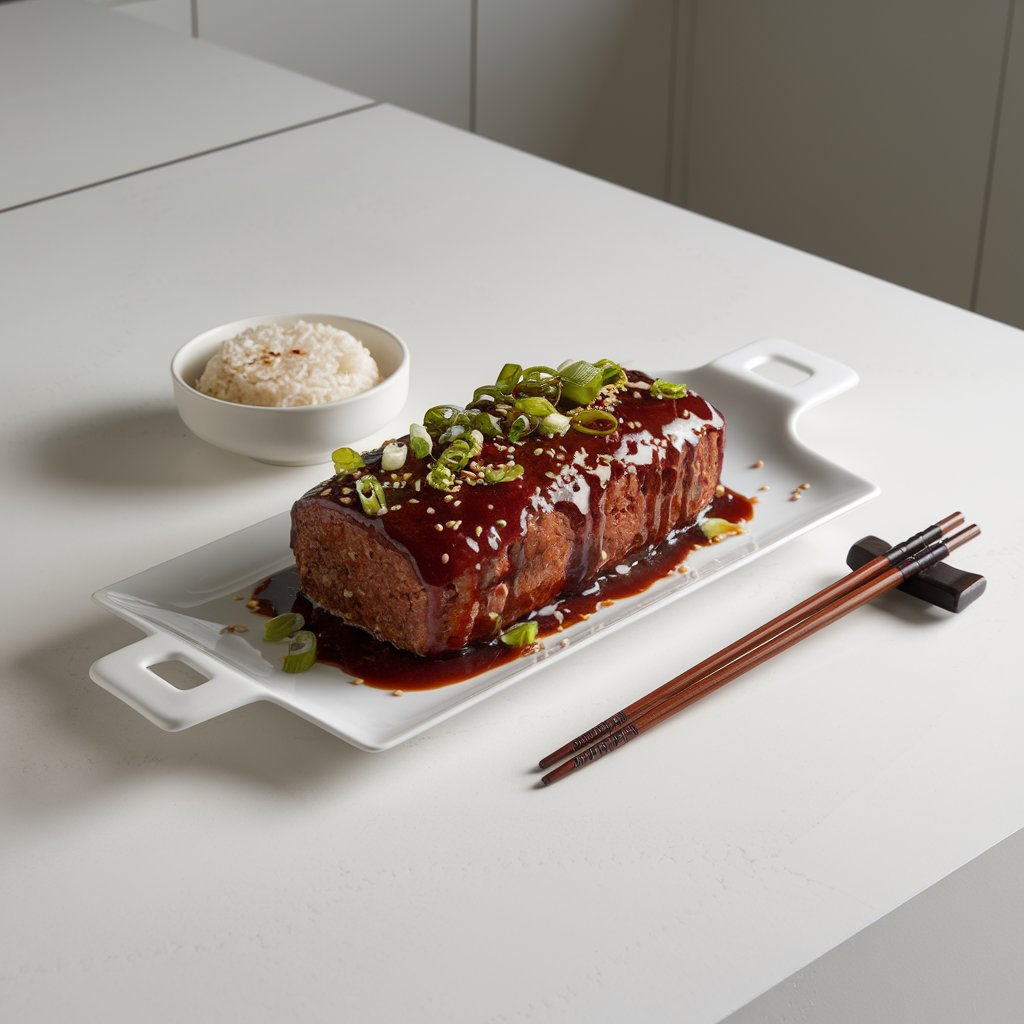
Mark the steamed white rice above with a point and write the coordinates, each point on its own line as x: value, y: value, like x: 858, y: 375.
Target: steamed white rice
x: 305, y: 364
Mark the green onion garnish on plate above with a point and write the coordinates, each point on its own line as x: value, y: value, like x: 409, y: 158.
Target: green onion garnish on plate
x: 301, y: 654
x: 280, y: 627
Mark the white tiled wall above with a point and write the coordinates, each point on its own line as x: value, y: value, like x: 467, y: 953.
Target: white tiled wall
x: 862, y: 132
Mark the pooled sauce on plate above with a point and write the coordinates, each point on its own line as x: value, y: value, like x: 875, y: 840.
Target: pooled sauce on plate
x: 385, y: 667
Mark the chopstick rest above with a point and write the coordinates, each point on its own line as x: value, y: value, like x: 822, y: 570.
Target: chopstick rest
x: 941, y: 584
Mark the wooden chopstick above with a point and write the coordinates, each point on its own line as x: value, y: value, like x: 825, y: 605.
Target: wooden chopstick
x: 657, y: 710
x: 799, y: 611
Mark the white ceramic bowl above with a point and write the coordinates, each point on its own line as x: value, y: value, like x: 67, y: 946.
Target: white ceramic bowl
x: 298, y: 435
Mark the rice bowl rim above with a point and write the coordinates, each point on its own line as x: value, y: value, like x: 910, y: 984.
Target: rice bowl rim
x: 215, y: 336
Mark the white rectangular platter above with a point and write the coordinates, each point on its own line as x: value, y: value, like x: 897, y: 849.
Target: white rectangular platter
x: 185, y: 604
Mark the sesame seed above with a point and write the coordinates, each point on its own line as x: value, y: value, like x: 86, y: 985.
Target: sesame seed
x: 490, y: 507
x: 719, y: 491
x: 764, y: 487
x: 804, y: 487
x: 413, y: 501
x: 237, y: 597
x: 438, y: 526
x: 449, y: 497
x: 444, y: 558
x: 325, y: 492
x: 345, y: 501
x: 795, y: 496
x: 252, y: 603
x: 759, y: 464
x: 552, y: 475
x: 450, y: 524
x: 395, y: 508
x: 397, y: 693
x: 346, y: 490
x: 430, y: 510
x: 501, y: 523
x: 538, y: 451
x: 478, y: 530
x: 456, y: 504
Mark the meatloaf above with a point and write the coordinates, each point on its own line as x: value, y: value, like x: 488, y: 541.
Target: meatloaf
x: 444, y: 569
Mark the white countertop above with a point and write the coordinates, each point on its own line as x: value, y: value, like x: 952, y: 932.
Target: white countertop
x: 87, y: 94
x: 255, y: 866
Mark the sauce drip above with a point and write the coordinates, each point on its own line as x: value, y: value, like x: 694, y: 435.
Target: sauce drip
x: 384, y: 667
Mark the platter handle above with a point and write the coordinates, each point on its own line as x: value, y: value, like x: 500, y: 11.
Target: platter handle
x: 127, y: 674
x: 812, y: 377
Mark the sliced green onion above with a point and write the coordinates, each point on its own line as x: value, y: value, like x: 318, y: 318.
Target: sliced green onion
x: 540, y: 382
x: 442, y: 417
x: 371, y: 495
x: 501, y: 474
x: 441, y: 478
x: 611, y: 372
x: 489, y: 394
x: 712, y: 528
x: 419, y: 440
x: 487, y: 423
x: 666, y: 389
x: 581, y: 382
x: 453, y: 458
x: 454, y: 431
x: 280, y: 627
x: 521, y: 635
x: 520, y: 427
x: 594, y: 421
x: 346, y: 460
x: 393, y: 457
x: 301, y: 654
x: 534, y: 406
x: 509, y: 377
x: 554, y: 424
